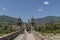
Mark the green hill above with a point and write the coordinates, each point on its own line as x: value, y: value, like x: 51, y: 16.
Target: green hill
x: 12, y: 20
x: 47, y: 19
x: 7, y: 19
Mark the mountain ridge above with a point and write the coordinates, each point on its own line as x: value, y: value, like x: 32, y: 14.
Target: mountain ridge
x: 44, y: 20
x: 47, y: 19
x: 7, y: 19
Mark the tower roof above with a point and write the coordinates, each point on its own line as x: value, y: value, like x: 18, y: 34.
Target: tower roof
x: 32, y: 18
x: 19, y: 18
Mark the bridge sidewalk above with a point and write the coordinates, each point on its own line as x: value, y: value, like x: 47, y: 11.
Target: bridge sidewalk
x: 20, y: 37
x: 30, y: 36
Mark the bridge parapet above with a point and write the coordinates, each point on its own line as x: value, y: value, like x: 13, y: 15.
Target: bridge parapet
x: 40, y: 37
x: 10, y: 36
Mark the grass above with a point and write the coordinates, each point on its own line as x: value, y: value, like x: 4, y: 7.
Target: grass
x: 45, y: 34
x: 2, y: 34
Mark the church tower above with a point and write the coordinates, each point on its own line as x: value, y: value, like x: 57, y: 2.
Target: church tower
x: 28, y: 23
x: 19, y: 22
x: 32, y: 23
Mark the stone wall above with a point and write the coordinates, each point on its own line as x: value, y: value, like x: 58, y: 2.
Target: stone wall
x: 10, y: 36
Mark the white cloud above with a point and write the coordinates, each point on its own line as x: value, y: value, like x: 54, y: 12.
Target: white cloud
x: 46, y: 2
x: 40, y: 9
x: 4, y: 8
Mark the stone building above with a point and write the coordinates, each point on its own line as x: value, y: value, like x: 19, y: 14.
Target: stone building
x: 19, y: 23
x: 32, y: 23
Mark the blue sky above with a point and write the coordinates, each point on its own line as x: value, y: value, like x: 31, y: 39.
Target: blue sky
x: 28, y: 8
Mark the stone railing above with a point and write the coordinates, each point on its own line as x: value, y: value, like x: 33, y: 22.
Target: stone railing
x: 24, y: 38
x: 10, y: 36
x: 40, y: 37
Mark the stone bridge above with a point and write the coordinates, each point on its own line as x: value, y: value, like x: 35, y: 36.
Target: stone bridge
x: 26, y: 36
x: 10, y: 36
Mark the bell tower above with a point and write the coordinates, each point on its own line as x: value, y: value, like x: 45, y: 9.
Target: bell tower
x: 32, y: 23
x: 19, y: 22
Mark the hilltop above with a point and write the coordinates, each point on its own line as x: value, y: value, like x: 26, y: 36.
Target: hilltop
x: 47, y: 19
x: 8, y: 19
